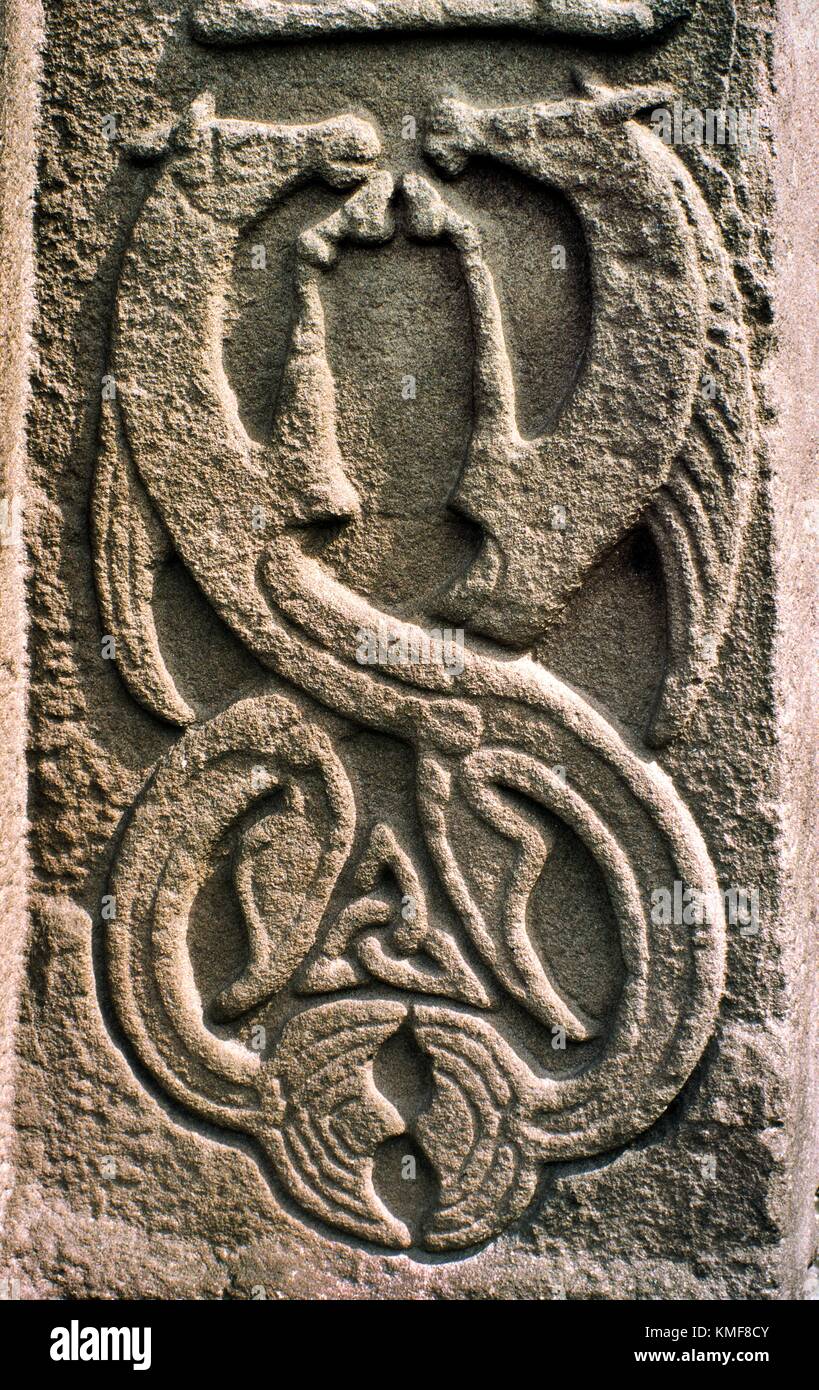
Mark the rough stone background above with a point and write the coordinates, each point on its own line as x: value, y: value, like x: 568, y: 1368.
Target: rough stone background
x: 189, y: 1214
x: 19, y: 35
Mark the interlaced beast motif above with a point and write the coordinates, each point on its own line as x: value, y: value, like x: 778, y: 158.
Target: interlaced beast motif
x: 500, y: 745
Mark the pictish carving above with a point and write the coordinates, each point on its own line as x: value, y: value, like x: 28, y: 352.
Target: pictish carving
x: 249, y: 21
x: 356, y: 948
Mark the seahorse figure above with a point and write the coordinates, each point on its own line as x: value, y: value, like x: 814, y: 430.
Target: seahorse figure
x: 178, y: 469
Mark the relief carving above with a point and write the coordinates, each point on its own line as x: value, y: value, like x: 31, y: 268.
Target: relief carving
x: 251, y: 21
x: 502, y: 748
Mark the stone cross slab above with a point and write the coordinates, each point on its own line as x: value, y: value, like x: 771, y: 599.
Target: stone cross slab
x: 406, y: 545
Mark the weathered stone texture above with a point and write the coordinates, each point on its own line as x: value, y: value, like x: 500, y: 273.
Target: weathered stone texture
x: 19, y: 36
x: 362, y: 962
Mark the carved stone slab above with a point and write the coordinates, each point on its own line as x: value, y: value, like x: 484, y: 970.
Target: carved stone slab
x: 416, y: 901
